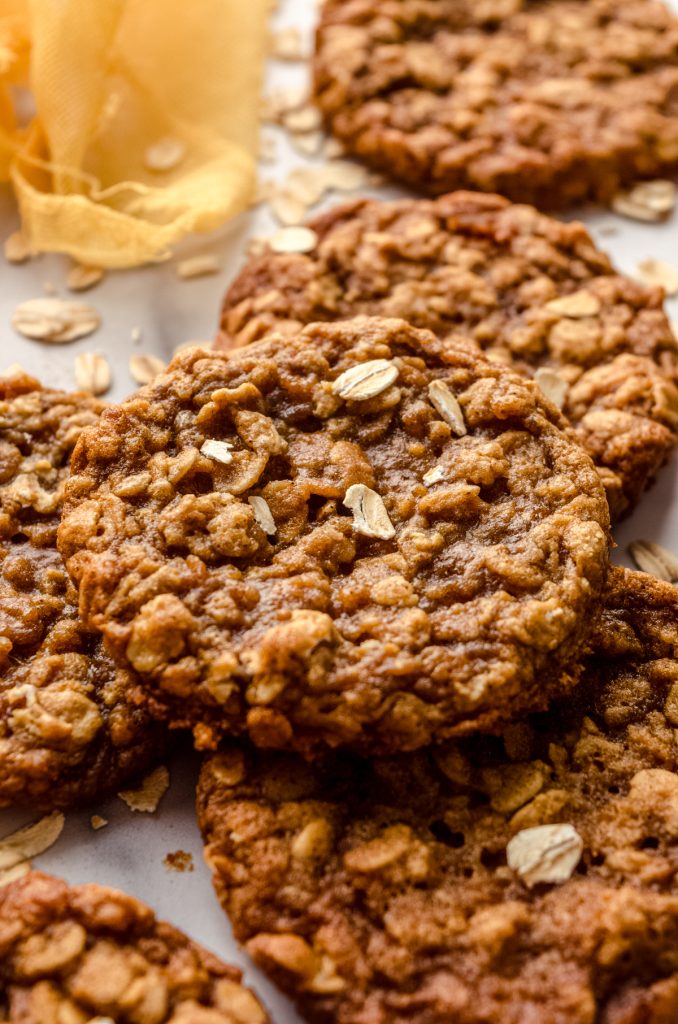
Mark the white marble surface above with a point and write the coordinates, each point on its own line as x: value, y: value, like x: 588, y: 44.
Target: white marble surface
x: 130, y: 851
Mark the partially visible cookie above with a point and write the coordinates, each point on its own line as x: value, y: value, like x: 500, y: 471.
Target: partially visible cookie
x: 530, y: 291
x: 500, y: 880
x: 360, y: 535
x: 546, y: 101
x: 68, y: 730
x: 79, y: 954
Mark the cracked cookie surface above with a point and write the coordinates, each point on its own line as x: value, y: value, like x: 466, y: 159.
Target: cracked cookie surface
x: 84, y: 953
x: 358, y: 536
x: 68, y: 731
x: 545, y: 101
x: 491, y: 880
x: 480, y: 268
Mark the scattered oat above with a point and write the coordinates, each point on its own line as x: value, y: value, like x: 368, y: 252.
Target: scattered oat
x: 81, y: 278
x: 658, y: 272
x: 447, y: 406
x: 345, y: 176
x: 286, y: 209
x: 17, y: 249
x: 307, y: 184
x: 366, y: 380
x: 144, y: 368
x: 303, y: 120
x: 268, y: 148
x: 262, y: 514
x: 650, y: 201
x: 369, y: 512
x: 97, y: 822
x: 578, y: 304
x: 55, y: 320
x: 198, y: 266
x: 655, y: 560
x: 293, y: 239
x: 551, y: 385
x: 255, y: 246
x: 150, y: 792
x: 279, y: 101
x: 136, y: 334
x: 92, y: 372
x: 165, y: 154
x: 220, y: 451
x: 546, y: 853
x: 31, y: 840
x: 333, y: 149
x: 13, y: 370
x: 179, y: 860
x: 608, y: 230
x: 287, y: 45
x: 309, y: 144
x: 432, y: 476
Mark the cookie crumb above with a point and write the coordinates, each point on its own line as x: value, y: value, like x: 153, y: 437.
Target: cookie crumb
x: 97, y: 822
x: 149, y: 794
x: 179, y: 860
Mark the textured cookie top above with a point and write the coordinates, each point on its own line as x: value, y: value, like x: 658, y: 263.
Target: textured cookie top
x: 530, y: 291
x: 84, y: 953
x: 359, y: 535
x: 549, y: 102
x: 67, y: 729
x: 498, y: 880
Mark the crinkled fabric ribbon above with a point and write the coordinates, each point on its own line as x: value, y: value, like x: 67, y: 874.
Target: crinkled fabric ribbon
x: 109, y: 79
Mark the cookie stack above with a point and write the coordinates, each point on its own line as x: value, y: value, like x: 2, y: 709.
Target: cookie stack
x: 367, y: 566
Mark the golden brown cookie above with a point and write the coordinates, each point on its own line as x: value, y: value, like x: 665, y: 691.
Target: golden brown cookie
x: 531, y: 292
x: 360, y: 535
x: 85, y: 953
x: 68, y: 731
x: 528, y: 877
x: 546, y: 101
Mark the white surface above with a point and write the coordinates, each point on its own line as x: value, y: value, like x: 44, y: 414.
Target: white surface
x: 129, y: 852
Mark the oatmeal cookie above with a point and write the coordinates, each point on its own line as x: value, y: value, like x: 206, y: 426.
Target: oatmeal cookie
x: 491, y: 880
x: 67, y: 728
x: 530, y: 291
x: 546, y: 101
x: 86, y: 953
x: 360, y: 535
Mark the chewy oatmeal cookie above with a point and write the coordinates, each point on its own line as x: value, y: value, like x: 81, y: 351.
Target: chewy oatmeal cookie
x: 67, y: 728
x: 380, y: 891
x: 86, y: 954
x: 360, y: 535
x: 530, y: 291
x: 544, y: 101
